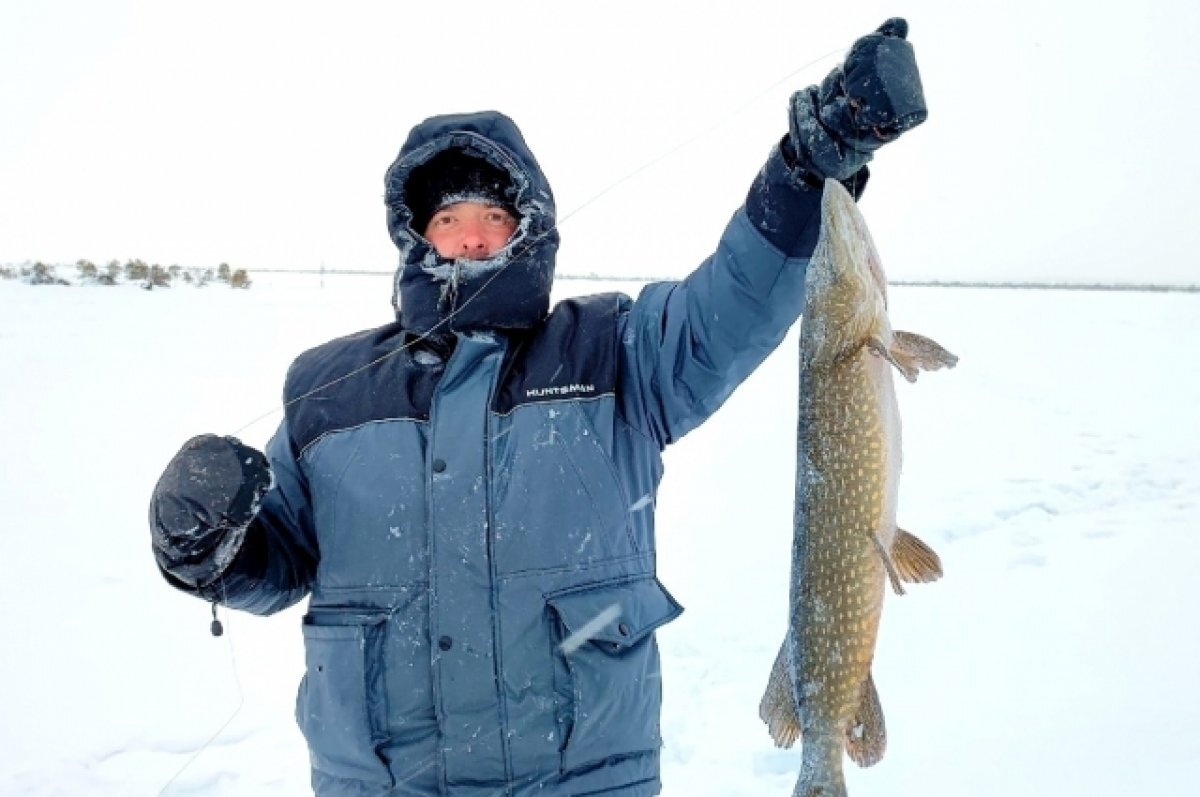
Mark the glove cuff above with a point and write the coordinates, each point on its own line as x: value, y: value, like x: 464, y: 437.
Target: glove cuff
x: 784, y: 202
x: 856, y: 183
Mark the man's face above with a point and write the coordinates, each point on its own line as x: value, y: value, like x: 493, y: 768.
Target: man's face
x: 470, y: 230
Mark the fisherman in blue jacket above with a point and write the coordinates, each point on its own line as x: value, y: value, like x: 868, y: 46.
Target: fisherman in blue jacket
x: 466, y: 495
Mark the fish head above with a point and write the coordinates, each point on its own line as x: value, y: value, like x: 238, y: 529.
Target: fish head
x: 845, y: 286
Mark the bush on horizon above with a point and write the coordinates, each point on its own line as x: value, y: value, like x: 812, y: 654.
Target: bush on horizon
x: 136, y: 271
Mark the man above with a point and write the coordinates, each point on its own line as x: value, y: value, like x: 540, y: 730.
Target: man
x: 467, y: 494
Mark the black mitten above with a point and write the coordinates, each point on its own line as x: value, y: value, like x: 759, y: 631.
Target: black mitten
x: 870, y: 100
x: 202, y: 504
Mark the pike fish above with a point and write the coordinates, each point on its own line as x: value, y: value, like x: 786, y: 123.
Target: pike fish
x: 846, y: 543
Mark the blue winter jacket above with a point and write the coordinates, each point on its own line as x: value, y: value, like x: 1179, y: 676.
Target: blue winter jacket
x: 467, y: 496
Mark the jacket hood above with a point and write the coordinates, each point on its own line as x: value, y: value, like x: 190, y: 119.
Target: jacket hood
x: 510, y: 290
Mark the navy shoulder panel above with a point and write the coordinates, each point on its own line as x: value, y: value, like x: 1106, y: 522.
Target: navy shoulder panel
x: 573, y: 354
x: 367, y: 376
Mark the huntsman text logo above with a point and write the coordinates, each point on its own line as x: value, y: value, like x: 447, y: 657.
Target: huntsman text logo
x: 559, y: 390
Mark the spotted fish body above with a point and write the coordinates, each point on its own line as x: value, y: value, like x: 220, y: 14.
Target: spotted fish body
x: 846, y: 543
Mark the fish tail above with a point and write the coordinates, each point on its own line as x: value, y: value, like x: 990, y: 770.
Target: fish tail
x: 829, y: 786
x: 821, y: 771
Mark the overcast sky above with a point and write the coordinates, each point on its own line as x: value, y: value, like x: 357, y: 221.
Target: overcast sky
x: 1059, y: 144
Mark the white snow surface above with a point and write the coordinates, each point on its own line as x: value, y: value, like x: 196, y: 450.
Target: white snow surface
x: 1056, y: 470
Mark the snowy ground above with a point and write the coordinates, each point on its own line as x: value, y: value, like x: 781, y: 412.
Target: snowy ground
x: 1055, y: 470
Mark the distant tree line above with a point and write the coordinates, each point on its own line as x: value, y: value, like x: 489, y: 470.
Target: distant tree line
x: 147, y: 275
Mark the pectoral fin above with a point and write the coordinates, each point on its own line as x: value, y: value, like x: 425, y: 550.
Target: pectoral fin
x: 915, y: 561
x: 866, y: 737
x: 912, y: 353
x: 778, y: 706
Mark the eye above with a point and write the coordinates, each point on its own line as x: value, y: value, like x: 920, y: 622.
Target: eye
x: 499, y: 216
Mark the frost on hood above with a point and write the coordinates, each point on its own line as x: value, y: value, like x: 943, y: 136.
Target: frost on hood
x: 508, y: 291
x: 453, y: 275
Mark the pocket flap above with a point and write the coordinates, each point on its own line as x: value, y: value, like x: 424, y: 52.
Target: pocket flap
x: 617, y: 614
x: 325, y: 617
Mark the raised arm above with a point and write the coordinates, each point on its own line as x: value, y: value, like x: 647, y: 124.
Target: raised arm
x: 686, y: 345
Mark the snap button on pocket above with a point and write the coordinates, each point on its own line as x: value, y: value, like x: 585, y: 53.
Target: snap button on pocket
x: 445, y: 643
x: 439, y: 465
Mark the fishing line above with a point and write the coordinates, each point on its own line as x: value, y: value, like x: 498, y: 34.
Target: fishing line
x: 704, y: 133
x: 687, y: 142
x: 241, y: 695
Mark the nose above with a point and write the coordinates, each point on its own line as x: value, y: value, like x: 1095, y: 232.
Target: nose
x: 473, y: 243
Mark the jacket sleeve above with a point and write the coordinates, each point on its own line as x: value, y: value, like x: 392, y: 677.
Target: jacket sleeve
x: 276, y: 562
x: 686, y: 345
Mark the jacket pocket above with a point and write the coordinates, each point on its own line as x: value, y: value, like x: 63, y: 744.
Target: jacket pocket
x: 341, y: 707
x: 607, y: 677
